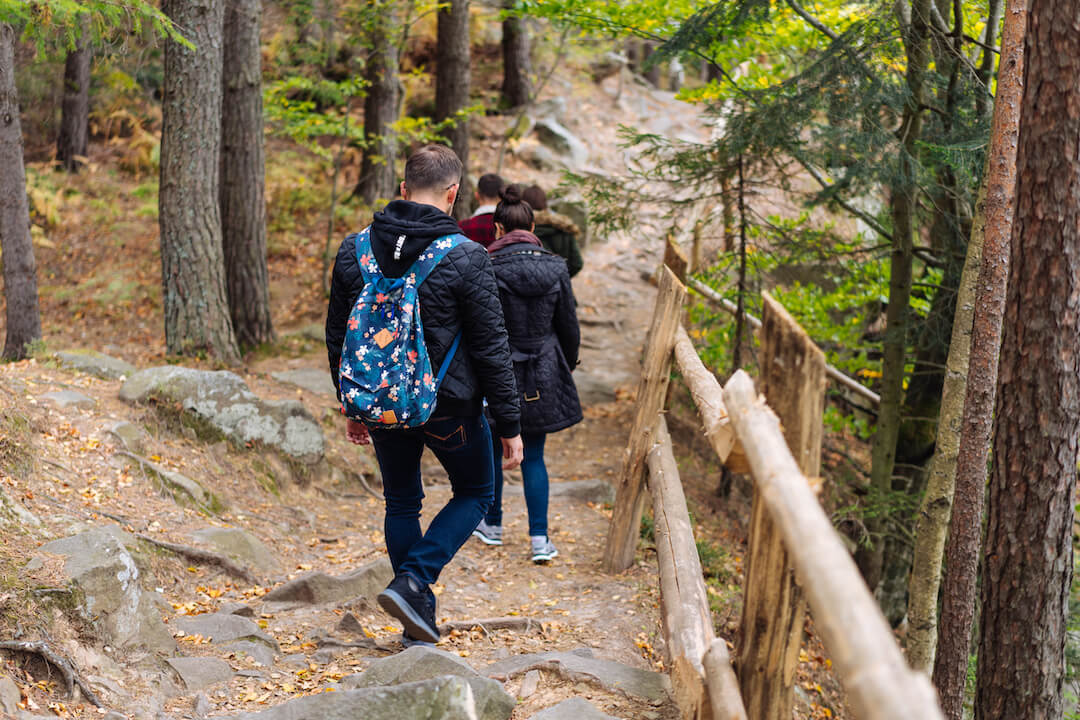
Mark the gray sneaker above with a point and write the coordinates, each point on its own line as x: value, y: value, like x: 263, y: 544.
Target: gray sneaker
x: 542, y: 549
x: 488, y: 534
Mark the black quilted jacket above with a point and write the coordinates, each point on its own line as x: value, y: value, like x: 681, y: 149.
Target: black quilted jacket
x: 538, y: 304
x: 460, y: 293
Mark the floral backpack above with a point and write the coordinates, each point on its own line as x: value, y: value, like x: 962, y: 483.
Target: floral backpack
x: 385, y: 374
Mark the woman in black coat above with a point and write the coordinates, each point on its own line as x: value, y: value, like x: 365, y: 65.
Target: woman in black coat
x: 539, y: 310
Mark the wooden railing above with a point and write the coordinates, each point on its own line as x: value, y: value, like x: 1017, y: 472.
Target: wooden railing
x: 794, y: 558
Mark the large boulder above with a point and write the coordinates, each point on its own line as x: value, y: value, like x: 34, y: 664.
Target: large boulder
x: 239, y: 545
x: 424, y: 663
x: 94, y: 363
x: 223, y: 401
x: 445, y: 698
x: 200, y: 672
x: 318, y: 588
x: 580, y: 667
x: 104, y: 580
x: 554, y: 135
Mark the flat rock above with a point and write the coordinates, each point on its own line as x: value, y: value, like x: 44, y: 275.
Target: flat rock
x: 94, y: 363
x: 222, y: 628
x: 102, y: 572
x: 422, y: 663
x: 65, y: 399
x: 10, y: 696
x: 314, y: 380
x: 257, y: 651
x: 201, y: 706
x: 318, y: 588
x: 572, y: 709
x: 445, y: 698
x: 180, y: 487
x: 651, y: 686
x: 14, y: 513
x: 529, y: 684
x: 597, y: 491
x: 200, y: 672
x: 223, y: 401
x: 239, y: 545
x: 130, y: 436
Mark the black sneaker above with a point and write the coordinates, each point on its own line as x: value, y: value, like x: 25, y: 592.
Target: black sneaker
x: 411, y: 603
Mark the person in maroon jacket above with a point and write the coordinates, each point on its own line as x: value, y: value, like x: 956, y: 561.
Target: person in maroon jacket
x: 481, y: 226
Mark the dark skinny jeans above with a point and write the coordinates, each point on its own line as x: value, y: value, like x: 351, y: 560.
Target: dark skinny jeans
x: 463, y: 447
x: 534, y: 475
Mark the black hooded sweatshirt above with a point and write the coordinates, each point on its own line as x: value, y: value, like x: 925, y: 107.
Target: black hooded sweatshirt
x: 460, y: 294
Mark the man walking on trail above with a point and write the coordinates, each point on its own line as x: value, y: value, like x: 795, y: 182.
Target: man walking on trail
x: 458, y: 303
x: 481, y: 226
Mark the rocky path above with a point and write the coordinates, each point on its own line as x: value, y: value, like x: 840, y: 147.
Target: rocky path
x: 112, y: 488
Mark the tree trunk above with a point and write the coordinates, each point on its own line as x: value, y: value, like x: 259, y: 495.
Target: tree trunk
x: 652, y: 71
x: 903, y: 202
x: 517, y: 87
x: 243, y: 177
x: 1028, y: 551
x: 20, y: 275
x: 962, y: 550
x: 192, y: 263
x: 452, y: 71
x: 986, y: 67
x: 378, y: 180
x: 75, y: 110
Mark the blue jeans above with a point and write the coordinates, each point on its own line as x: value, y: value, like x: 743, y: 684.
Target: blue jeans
x: 535, y: 477
x: 463, y: 446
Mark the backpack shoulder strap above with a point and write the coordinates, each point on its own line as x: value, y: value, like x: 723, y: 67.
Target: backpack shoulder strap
x: 365, y: 258
x: 433, y: 255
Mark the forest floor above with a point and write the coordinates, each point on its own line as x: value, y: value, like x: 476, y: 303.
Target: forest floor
x: 100, y: 288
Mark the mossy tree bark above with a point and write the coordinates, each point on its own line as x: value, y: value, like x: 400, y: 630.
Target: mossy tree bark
x: 1028, y: 549
x: 452, y: 72
x: 23, y: 318
x: 243, y: 176
x: 192, y: 263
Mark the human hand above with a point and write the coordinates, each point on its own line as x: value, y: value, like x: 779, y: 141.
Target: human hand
x: 356, y: 432
x: 513, y: 451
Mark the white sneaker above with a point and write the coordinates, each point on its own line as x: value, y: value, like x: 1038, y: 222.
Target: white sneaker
x: 488, y: 534
x: 542, y: 549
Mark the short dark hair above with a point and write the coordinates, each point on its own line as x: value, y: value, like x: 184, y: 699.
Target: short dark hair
x: 432, y: 167
x: 489, y: 185
x: 536, y: 197
x: 512, y: 212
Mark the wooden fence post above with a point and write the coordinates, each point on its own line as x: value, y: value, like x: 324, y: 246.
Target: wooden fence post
x: 793, y: 382
x: 655, y: 372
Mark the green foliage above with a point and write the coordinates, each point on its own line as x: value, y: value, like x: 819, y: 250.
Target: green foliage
x: 716, y: 562
x: 52, y: 21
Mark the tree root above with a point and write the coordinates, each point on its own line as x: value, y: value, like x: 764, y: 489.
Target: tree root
x: 522, y: 624
x: 72, y: 678
x: 204, y: 556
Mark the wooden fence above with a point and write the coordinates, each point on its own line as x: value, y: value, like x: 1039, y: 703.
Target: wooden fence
x: 794, y: 558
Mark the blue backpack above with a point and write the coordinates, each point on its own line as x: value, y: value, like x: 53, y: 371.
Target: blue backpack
x: 385, y: 374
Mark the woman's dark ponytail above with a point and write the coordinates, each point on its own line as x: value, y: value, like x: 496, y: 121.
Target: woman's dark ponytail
x: 512, y: 212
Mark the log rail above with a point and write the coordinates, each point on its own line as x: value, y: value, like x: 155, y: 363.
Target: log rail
x: 795, y: 558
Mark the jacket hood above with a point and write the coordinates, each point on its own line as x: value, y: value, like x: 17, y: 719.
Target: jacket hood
x: 557, y: 221
x: 411, y: 225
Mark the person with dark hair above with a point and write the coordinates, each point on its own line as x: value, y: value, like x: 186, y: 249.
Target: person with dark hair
x: 481, y: 226
x: 557, y: 233
x: 463, y: 333
x: 539, y: 309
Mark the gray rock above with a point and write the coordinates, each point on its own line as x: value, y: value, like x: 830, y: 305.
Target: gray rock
x: 572, y: 709
x: 553, y: 135
x: 222, y: 628
x: 113, y: 715
x: 257, y: 651
x: 318, y: 588
x: 314, y: 380
x: 201, y: 707
x: 131, y: 437
x: 10, y: 696
x: 104, y: 576
x: 200, y: 672
x: 65, y: 399
x: 445, y: 698
x: 239, y: 545
x: 183, y: 489
x: 597, y: 491
x: 237, y: 608
x: 13, y: 512
x: 532, y: 153
x: 554, y: 108
x: 529, y: 684
x: 423, y: 663
x: 94, y: 363
x: 651, y: 686
x: 223, y: 401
